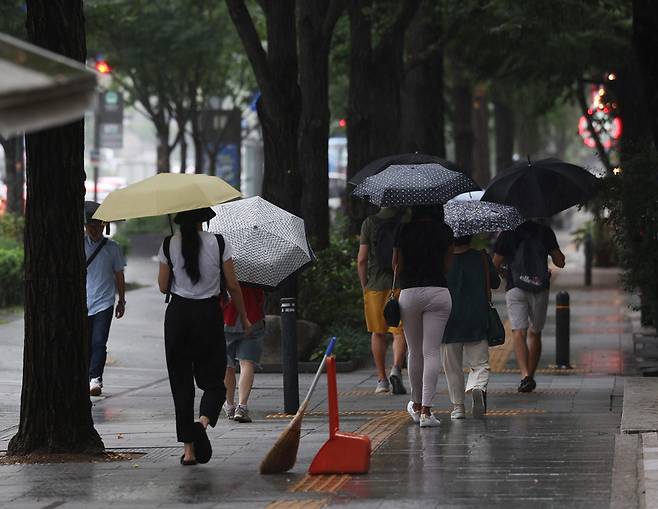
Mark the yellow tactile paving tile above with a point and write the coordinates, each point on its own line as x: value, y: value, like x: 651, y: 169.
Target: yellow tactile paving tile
x: 396, y: 414
x: 298, y: 504
x: 320, y: 483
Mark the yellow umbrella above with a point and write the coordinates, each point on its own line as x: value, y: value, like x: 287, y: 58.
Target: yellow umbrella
x: 165, y: 193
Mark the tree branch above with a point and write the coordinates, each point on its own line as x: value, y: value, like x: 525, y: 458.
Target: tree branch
x: 334, y: 12
x: 244, y: 24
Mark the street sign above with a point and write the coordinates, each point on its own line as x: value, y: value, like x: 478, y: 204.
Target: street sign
x: 109, y: 120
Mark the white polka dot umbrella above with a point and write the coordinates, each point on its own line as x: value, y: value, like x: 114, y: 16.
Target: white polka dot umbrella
x: 269, y: 243
x: 410, y: 185
x: 474, y: 216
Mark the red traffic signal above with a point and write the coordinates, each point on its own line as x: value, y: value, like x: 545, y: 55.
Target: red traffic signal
x: 103, y: 67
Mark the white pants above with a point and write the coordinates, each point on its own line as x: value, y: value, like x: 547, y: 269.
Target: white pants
x: 425, y: 312
x: 477, y: 359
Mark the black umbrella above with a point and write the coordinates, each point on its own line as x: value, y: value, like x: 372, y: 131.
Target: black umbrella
x: 541, y: 188
x: 410, y: 185
x: 381, y: 164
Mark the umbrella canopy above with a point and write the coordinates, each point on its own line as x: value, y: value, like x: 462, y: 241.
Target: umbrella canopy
x: 542, y: 188
x: 379, y: 165
x: 40, y: 89
x: 473, y: 217
x: 269, y: 243
x: 165, y: 193
x: 415, y: 184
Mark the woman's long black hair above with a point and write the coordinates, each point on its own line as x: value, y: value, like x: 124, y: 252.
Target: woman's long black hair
x: 190, y: 240
x: 190, y: 243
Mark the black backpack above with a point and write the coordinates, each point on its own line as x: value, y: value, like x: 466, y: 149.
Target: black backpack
x: 529, y: 266
x: 384, y: 241
x: 222, y: 280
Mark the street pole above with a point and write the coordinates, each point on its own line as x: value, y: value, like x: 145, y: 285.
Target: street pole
x: 562, y: 324
x: 289, y: 355
x: 588, y: 259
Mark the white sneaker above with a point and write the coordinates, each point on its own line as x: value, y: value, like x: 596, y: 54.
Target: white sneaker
x: 479, y: 407
x: 458, y: 412
x: 95, y: 387
x: 383, y: 387
x: 413, y: 413
x: 429, y: 421
x: 229, y: 410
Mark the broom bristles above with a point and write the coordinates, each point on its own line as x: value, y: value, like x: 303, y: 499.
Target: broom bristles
x: 283, y: 454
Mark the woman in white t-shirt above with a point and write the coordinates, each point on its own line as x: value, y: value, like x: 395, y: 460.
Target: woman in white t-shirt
x: 194, y: 326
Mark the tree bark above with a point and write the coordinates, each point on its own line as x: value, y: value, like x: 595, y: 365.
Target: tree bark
x: 15, y: 173
x: 316, y: 21
x: 504, y: 132
x: 359, y: 117
x: 423, y: 105
x: 163, y: 149
x: 279, y: 104
x: 55, y: 406
x: 462, y: 97
x: 480, y: 122
x: 183, y: 152
x: 645, y: 44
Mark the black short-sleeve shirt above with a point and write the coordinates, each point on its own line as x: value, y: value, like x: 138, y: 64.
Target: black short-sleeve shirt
x: 508, y: 242
x: 423, y: 245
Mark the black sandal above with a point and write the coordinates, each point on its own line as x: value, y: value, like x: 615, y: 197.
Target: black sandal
x: 202, y: 447
x: 187, y: 463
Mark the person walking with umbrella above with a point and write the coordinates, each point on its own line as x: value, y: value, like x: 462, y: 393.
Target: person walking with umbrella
x: 422, y: 256
x: 193, y: 264
x: 521, y: 257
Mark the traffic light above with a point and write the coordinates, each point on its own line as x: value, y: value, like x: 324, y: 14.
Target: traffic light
x: 103, y: 67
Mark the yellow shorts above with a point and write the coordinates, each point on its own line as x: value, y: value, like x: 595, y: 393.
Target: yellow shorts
x: 374, y: 302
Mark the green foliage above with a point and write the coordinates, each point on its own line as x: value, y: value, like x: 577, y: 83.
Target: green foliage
x: 155, y: 224
x: 11, y: 276
x: 329, y: 292
x: 604, y: 250
x: 351, y: 344
x: 12, y: 18
x: 11, y: 230
x: 631, y: 200
x: 123, y: 240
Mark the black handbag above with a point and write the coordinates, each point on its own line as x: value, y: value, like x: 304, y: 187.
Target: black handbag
x: 392, y: 307
x: 495, y: 328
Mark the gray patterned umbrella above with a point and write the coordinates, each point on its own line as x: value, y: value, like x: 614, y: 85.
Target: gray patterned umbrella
x: 269, y: 243
x: 414, y: 184
x: 472, y: 217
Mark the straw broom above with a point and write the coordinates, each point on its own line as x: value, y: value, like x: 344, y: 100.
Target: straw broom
x: 283, y: 454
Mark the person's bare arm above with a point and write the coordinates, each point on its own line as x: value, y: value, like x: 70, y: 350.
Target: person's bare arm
x: 121, y: 290
x: 236, y: 294
x: 163, y: 277
x: 362, y: 265
x: 558, y: 258
x: 498, y: 261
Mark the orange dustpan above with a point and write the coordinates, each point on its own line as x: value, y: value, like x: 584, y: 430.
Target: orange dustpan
x: 344, y: 452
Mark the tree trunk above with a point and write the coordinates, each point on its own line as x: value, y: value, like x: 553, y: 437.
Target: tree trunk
x: 55, y: 406
x: 528, y: 138
x: 645, y: 43
x: 462, y: 122
x: 423, y: 104
x: 504, y: 129
x: 14, y: 171
x: 183, y: 153
x: 314, y: 119
x: 480, y: 120
x: 163, y: 148
x: 359, y: 118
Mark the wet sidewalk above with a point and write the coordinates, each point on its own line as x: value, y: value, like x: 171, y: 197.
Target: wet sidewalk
x: 553, y: 447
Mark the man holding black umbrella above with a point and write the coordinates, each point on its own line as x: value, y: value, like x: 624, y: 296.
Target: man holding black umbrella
x: 521, y: 257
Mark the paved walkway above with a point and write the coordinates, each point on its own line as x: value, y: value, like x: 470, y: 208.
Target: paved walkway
x: 554, y: 447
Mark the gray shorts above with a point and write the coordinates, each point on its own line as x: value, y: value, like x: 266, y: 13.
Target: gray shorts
x: 241, y: 348
x: 526, y: 309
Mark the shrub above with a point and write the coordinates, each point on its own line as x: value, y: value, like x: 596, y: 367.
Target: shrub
x: 11, y: 276
x: 329, y: 291
x: 351, y: 344
x: 12, y: 227
x: 156, y: 224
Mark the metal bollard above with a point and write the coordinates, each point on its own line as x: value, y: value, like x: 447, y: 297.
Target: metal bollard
x: 289, y: 355
x: 562, y: 324
x: 588, y: 259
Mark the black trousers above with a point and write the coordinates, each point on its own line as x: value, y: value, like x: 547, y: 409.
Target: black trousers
x: 196, y: 350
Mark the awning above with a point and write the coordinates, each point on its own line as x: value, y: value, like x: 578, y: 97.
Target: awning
x: 39, y: 88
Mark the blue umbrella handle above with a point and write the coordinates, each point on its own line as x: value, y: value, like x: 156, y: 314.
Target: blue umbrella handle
x: 330, y: 347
